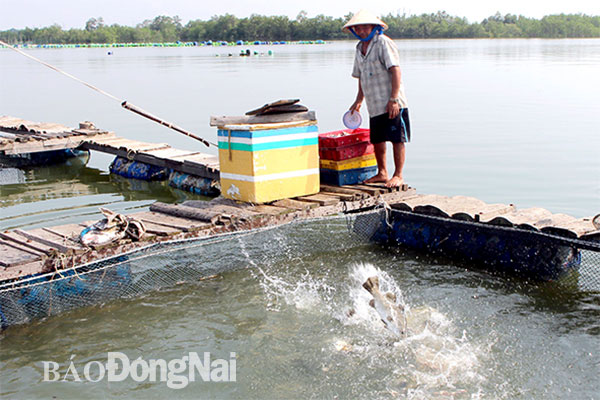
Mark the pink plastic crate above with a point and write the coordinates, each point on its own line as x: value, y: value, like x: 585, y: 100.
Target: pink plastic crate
x: 344, y: 137
x: 346, y: 152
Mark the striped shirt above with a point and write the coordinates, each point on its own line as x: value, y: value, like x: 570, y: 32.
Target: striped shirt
x: 373, y: 71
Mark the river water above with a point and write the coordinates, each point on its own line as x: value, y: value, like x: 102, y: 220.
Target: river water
x: 507, y: 121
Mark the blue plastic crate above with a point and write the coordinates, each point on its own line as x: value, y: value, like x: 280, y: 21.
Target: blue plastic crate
x: 348, y: 176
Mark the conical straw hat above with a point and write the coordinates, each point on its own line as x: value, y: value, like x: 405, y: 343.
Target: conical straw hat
x: 364, y: 17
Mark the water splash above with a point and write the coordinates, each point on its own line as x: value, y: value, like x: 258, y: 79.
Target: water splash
x: 435, y: 356
x: 307, y: 293
x: 432, y: 361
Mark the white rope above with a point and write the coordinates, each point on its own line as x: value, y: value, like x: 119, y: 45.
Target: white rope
x: 124, y: 104
x: 386, y: 208
x: 60, y: 71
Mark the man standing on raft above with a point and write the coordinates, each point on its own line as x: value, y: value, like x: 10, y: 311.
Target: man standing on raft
x: 376, y: 65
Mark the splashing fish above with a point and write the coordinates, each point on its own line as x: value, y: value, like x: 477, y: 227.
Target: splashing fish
x: 386, y: 305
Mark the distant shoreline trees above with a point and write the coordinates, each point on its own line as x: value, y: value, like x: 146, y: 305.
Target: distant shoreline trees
x: 278, y: 28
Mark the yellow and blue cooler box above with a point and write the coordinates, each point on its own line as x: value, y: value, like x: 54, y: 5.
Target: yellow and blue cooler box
x: 266, y: 162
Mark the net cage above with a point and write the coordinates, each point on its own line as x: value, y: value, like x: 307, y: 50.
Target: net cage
x: 521, y: 252
x: 170, y: 263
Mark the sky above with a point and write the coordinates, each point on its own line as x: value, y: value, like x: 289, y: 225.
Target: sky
x: 74, y: 13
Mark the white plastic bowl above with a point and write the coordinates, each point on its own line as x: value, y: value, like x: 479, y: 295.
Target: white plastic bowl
x: 352, y: 119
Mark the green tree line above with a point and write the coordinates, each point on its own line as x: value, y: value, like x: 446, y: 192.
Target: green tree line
x: 278, y: 28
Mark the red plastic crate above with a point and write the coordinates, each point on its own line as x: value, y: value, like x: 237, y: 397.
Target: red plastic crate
x: 344, y: 137
x: 346, y: 152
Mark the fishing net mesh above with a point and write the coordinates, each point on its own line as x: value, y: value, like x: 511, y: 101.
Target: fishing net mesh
x: 583, y: 255
x: 167, y: 264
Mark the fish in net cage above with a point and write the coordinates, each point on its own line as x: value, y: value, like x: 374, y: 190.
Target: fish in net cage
x: 166, y: 264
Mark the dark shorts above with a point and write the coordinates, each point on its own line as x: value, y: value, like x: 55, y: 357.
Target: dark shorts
x: 395, y: 130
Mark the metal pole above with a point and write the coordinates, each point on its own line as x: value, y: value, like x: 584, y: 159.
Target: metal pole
x: 145, y: 114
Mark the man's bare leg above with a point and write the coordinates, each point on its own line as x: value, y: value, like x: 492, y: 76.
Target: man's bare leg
x: 382, y: 174
x: 399, y: 157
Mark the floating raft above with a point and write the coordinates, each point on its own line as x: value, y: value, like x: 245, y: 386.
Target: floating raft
x: 531, y: 242
x: 158, y: 154
x: 51, y: 249
x: 48, y: 249
x: 470, y: 209
x: 164, y: 44
x: 19, y: 137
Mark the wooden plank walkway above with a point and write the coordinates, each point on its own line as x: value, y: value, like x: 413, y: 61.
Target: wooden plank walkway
x: 474, y: 210
x: 57, y: 247
x: 159, y: 154
x: 18, y: 136
x: 49, y: 248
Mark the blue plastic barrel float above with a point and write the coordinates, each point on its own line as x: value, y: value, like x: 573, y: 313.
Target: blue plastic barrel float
x: 194, y: 184
x: 137, y: 170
